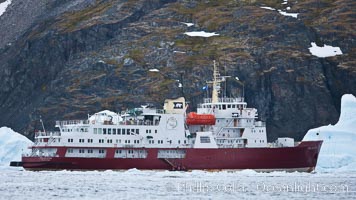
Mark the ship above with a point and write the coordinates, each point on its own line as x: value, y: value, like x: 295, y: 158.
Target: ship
x: 223, y: 134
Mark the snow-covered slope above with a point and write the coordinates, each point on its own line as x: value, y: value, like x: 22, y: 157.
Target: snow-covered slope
x: 12, y: 145
x: 338, y: 151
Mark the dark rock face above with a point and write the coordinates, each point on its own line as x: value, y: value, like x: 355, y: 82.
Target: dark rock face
x: 71, y: 58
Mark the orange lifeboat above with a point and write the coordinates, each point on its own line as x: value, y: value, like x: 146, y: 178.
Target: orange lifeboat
x: 194, y: 118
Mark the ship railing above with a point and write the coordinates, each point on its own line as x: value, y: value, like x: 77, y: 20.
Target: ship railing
x: 224, y: 100
x: 154, y: 111
x: 39, y: 155
x: 47, y: 133
x: 72, y: 122
x: 139, y: 122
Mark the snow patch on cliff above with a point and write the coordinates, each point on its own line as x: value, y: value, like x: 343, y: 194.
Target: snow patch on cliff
x: 325, y: 51
x: 200, y: 34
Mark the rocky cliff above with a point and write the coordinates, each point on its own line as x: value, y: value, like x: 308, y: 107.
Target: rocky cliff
x: 64, y: 59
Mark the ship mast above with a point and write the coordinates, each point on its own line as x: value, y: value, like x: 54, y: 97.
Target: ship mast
x: 217, y: 79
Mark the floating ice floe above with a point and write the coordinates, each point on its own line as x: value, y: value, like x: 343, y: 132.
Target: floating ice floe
x: 339, y: 140
x: 188, y: 24
x: 12, y: 145
x: 325, y: 51
x: 4, y: 5
x: 200, y: 34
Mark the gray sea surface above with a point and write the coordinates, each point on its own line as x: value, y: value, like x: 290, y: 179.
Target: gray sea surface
x: 16, y: 183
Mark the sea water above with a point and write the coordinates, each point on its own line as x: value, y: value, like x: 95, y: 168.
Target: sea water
x: 16, y: 183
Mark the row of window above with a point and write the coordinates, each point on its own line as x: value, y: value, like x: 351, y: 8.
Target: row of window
x: 261, y: 141
x: 223, y: 106
x: 204, y: 139
x: 118, y: 141
x: 46, y: 140
x: 114, y: 131
x: 88, y: 151
x: 150, y: 131
x: 130, y: 151
x: 83, y: 129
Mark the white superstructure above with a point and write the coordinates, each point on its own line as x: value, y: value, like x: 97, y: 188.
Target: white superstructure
x: 234, y: 126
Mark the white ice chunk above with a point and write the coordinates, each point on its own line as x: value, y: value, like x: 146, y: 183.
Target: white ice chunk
x: 188, y: 24
x: 154, y: 70
x: 295, y: 15
x: 268, y: 8
x: 179, y: 52
x: 200, y: 34
x: 325, y: 51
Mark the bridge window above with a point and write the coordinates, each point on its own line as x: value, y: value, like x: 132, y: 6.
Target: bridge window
x: 109, y: 131
x: 119, y: 131
x: 104, y: 131
x: 204, y: 139
x: 137, y: 131
x: 95, y: 130
x: 123, y: 131
x: 114, y: 131
x: 132, y: 131
x: 100, y: 131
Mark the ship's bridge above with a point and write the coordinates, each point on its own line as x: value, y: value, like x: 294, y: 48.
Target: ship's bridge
x: 226, y: 107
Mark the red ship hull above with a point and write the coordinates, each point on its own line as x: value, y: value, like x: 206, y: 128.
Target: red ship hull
x: 299, y: 158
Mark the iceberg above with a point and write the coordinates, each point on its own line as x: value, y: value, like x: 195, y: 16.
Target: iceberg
x: 3, y: 6
x: 339, y: 140
x: 12, y: 145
